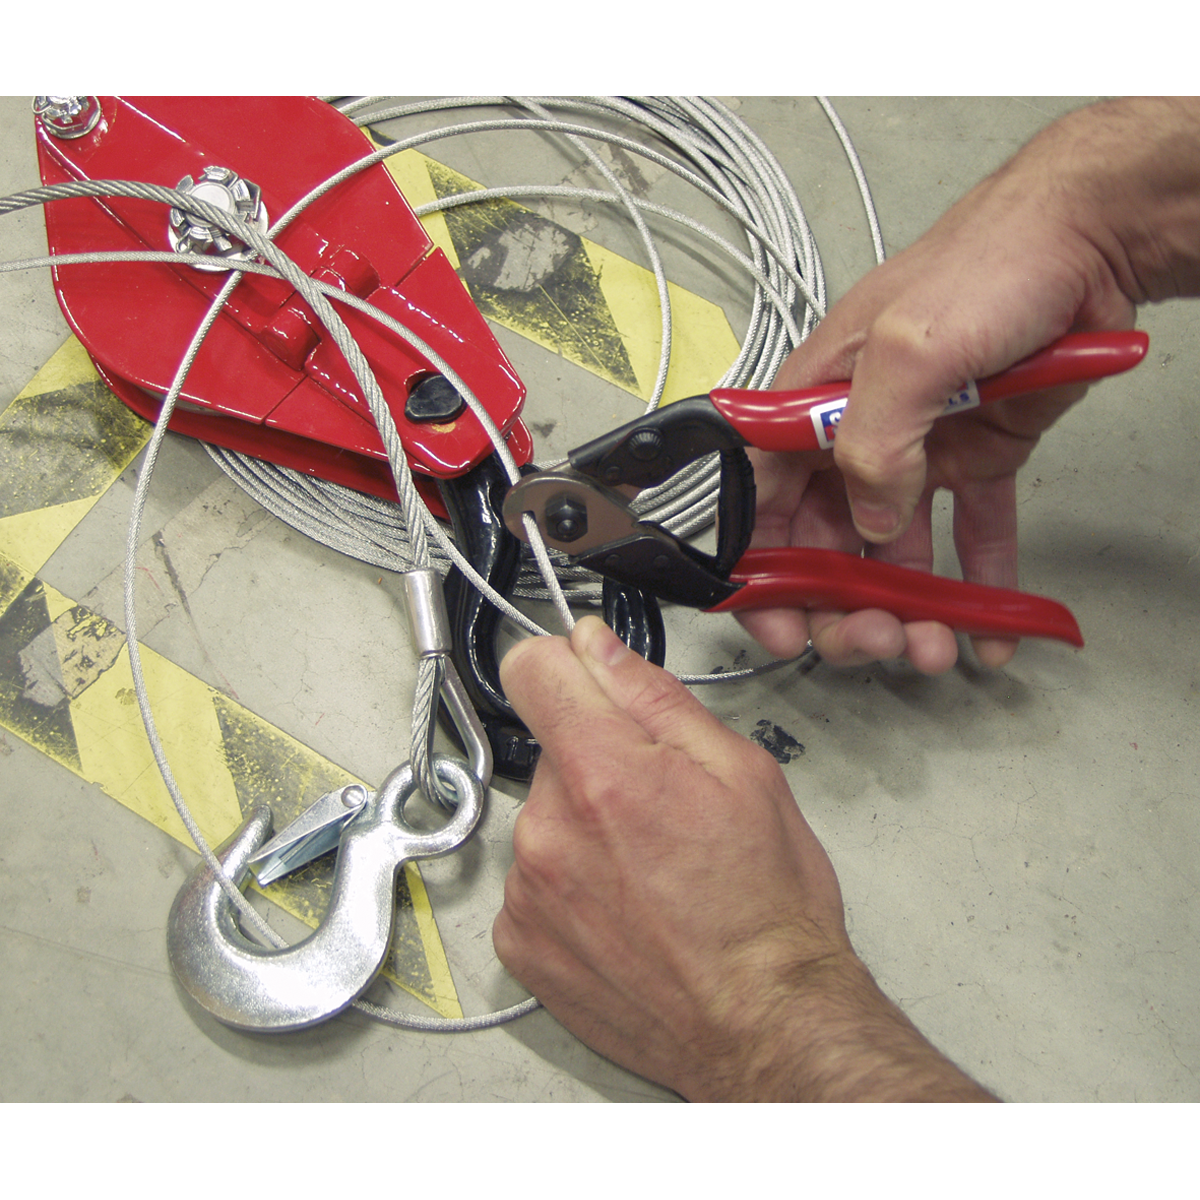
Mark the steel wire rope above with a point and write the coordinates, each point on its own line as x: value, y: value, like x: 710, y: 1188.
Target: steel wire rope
x: 698, y: 150
x: 450, y: 552
x: 774, y: 358
x: 694, y: 514
x: 365, y: 378
x: 697, y: 514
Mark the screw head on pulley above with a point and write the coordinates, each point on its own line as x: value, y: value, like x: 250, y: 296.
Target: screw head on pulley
x: 226, y: 190
x: 67, y: 116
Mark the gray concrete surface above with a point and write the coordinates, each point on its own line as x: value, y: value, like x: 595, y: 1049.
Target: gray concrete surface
x: 1017, y: 849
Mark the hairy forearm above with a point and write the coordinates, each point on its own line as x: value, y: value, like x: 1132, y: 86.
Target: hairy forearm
x: 835, y: 1037
x: 1127, y: 174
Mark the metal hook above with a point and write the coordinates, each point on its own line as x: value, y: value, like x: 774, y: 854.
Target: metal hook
x: 251, y: 987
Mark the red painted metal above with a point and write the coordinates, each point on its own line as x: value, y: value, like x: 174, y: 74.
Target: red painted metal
x: 268, y: 381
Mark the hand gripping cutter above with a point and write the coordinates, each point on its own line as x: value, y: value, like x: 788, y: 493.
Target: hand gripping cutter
x: 579, y: 511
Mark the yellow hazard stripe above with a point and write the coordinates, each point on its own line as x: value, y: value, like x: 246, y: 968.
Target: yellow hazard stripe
x: 613, y: 290
x: 59, y: 457
x: 65, y: 684
x: 66, y: 688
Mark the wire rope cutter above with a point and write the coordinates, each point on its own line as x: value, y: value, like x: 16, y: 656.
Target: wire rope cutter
x: 580, y: 511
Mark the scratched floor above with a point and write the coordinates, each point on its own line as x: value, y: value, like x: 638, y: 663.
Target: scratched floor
x: 1017, y: 849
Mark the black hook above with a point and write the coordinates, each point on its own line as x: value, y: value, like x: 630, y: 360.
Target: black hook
x: 474, y: 502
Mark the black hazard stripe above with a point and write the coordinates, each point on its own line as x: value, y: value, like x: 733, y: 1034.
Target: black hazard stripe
x: 65, y: 445
x: 49, y: 665
x: 63, y: 442
x: 34, y: 700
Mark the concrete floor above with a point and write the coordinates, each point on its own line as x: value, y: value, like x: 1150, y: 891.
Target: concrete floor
x: 1017, y: 849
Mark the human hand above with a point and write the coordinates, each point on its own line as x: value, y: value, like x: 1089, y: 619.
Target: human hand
x: 1059, y: 240
x: 669, y: 904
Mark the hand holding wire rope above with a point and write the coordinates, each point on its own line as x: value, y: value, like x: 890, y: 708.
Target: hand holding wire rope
x: 630, y: 914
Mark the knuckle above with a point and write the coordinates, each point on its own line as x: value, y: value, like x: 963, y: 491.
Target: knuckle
x: 536, y: 855
x: 512, y: 939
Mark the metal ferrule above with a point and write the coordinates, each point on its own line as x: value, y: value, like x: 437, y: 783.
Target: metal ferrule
x: 427, y: 616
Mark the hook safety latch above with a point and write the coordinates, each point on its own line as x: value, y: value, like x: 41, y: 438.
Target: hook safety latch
x: 314, y: 832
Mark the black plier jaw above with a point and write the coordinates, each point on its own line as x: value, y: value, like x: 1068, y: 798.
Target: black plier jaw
x: 580, y: 513
x: 646, y: 452
x: 596, y: 527
x: 652, y: 448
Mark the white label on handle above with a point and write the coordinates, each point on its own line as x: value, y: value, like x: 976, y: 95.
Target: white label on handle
x: 826, y: 417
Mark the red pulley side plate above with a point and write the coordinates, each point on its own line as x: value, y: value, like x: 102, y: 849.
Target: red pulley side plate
x: 268, y: 381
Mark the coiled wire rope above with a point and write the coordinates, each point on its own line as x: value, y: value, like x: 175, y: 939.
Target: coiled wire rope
x: 717, y: 154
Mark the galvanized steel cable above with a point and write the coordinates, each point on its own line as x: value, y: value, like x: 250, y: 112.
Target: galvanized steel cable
x: 726, y: 151
x: 315, y: 296
x: 761, y: 199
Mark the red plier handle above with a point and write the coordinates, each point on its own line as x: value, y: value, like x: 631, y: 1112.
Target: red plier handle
x: 579, y: 514
x: 806, y: 577
x: 807, y: 419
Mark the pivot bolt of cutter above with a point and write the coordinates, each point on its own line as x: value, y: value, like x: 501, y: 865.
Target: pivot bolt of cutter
x: 566, y: 518
x: 67, y: 116
x: 226, y: 190
x: 646, y: 445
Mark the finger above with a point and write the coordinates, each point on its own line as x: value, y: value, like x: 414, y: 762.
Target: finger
x: 930, y: 646
x: 985, y: 537
x: 557, y: 698
x: 985, y: 531
x: 655, y: 699
x: 913, y: 548
x: 819, y: 516
x: 859, y: 638
x: 779, y: 484
x: 994, y: 653
x: 781, y: 632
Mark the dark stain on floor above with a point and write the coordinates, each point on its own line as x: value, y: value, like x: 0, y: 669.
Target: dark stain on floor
x: 776, y: 742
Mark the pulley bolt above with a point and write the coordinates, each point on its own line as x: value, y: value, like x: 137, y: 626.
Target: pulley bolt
x: 224, y: 189
x: 67, y: 116
x: 566, y: 518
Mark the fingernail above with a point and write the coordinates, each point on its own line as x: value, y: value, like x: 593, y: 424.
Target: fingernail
x: 876, y: 520
x: 599, y: 642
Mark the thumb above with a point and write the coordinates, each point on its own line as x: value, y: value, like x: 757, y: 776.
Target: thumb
x: 897, y: 392
x: 654, y: 698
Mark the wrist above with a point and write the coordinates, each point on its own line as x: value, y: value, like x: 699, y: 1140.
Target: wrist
x: 1126, y: 175
x: 833, y: 1036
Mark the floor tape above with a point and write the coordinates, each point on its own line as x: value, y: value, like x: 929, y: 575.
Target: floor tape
x: 568, y: 294
x: 66, y: 686
x: 65, y: 682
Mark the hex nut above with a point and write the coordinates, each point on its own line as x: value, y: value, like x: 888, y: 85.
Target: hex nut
x: 566, y: 518
x: 67, y: 116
